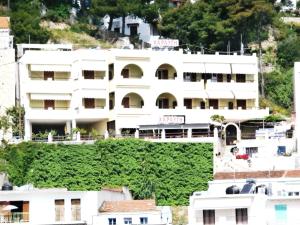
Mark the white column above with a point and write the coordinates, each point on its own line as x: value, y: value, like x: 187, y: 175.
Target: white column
x: 136, y: 134
x: 78, y: 136
x: 68, y: 127
x: 74, y: 124
x: 50, y: 138
x: 106, y: 134
x: 27, y: 135
x: 163, y: 134
x: 189, y: 133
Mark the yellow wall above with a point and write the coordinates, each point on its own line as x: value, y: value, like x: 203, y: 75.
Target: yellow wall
x: 100, y: 103
x: 39, y: 75
x: 61, y: 104
x: 134, y: 71
x: 36, y: 104
x: 134, y: 101
x: 99, y: 74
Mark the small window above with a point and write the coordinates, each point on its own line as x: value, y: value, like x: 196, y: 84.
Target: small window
x: 127, y: 220
x: 208, y: 217
x: 89, y: 74
x: 241, y: 78
x: 76, y: 209
x: 143, y: 220
x: 228, y: 78
x: 112, y: 221
x: 241, y: 216
x: 59, y: 210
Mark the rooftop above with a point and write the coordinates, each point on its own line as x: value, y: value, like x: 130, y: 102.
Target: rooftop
x: 128, y: 206
x: 4, y: 22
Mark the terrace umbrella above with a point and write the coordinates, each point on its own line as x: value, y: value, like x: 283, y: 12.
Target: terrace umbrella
x: 9, y: 207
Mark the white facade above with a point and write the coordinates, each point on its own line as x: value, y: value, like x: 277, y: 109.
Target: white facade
x: 7, y: 72
x: 56, y: 206
x: 280, y: 206
x: 133, y: 89
x: 297, y: 100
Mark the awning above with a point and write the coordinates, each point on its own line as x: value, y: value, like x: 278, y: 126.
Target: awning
x: 193, y: 67
x: 244, y: 68
x: 195, y: 94
x: 50, y: 97
x: 56, y: 68
x: 218, y: 68
x: 215, y: 94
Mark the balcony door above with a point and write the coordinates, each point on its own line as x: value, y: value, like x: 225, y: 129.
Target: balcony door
x: 125, y: 73
x: 188, y: 103
x: 241, y: 103
x: 240, y: 78
x: 49, y: 104
x: 163, y: 103
x: 88, y: 74
x: 214, y: 103
x: 162, y: 74
x: 48, y: 75
x: 89, y: 103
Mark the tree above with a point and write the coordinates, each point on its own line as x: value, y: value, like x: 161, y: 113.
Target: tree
x: 16, y: 115
x: 288, y: 51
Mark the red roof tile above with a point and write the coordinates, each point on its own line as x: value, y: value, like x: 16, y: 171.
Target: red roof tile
x: 4, y: 22
x: 128, y: 206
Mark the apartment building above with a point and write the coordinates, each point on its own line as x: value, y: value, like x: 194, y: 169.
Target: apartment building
x: 296, y: 100
x: 7, y: 71
x: 271, y: 201
x: 153, y: 93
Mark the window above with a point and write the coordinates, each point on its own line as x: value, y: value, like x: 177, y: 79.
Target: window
x: 220, y: 78
x: 230, y: 105
x: 251, y: 150
x: 76, y: 210
x: 59, y: 210
x: 112, y: 221
x: 162, y: 74
x: 127, y: 220
x: 214, y: 103
x: 187, y: 103
x: 48, y: 75
x: 125, y: 102
x: 241, y: 216
x: 208, y: 217
x: 125, y: 73
x: 202, y: 105
x: 241, y: 103
x: 228, y: 78
x: 143, y: 220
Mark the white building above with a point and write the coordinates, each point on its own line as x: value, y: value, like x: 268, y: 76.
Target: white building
x: 7, y: 71
x: 274, y: 201
x: 54, y: 206
x: 160, y: 93
x: 297, y: 100
x: 133, y: 212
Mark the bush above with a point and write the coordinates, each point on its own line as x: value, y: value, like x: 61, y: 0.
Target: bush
x: 170, y: 171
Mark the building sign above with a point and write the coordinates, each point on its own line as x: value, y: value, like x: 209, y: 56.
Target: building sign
x: 165, y: 43
x: 172, y: 119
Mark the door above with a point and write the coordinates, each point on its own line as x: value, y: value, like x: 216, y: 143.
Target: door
x: 163, y: 103
x: 88, y: 74
x: 89, y: 103
x: 202, y: 105
x: 48, y: 75
x: 214, y: 103
x: 220, y: 78
x: 241, y: 103
x: 133, y: 30
x: 49, y: 104
x: 228, y: 78
x: 125, y: 73
x: 125, y: 102
x: 188, y: 103
x: 230, y: 105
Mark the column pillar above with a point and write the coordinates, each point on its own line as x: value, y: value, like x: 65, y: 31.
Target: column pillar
x: 163, y: 134
x: 189, y: 133
x: 137, y: 134
x: 28, y: 130
x: 68, y: 127
x: 106, y: 134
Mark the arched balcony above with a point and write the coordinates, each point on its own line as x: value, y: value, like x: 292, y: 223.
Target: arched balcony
x: 132, y: 71
x: 132, y: 100
x: 166, y: 101
x: 166, y: 72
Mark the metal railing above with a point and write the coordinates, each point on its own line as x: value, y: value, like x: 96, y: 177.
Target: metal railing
x: 14, y: 217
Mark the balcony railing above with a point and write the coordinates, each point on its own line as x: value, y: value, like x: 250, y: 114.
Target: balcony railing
x: 14, y: 217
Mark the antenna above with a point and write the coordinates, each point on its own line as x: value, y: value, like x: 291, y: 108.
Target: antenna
x: 242, y: 45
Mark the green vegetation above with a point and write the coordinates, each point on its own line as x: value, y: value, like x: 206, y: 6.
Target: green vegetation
x: 170, y: 171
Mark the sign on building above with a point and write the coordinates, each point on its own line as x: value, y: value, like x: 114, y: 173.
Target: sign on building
x: 172, y: 119
x: 165, y: 43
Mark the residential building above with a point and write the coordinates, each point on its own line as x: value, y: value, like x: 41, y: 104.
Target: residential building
x: 133, y: 212
x: 7, y: 71
x: 54, y: 206
x: 266, y: 200
x: 297, y: 100
x: 144, y: 93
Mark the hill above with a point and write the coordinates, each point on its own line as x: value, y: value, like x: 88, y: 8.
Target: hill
x: 170, y: 171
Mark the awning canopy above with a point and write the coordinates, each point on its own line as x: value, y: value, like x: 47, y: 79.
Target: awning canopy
x: 55, y: 68
x: 244, y: 68
x: 194, y: 68
x: 50, y: 96
x: 223, y: 68
x: 222, y: 94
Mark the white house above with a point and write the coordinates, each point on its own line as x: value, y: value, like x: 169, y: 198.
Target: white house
x: 133, y: 212
x: 271, y: 201
x: 54, y: 206
x: 7, y: 71
x: 138, y: 92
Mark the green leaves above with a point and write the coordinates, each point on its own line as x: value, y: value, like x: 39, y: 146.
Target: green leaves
x: 168, y: 171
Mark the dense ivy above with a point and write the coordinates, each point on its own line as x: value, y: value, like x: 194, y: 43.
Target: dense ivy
x: 170, y: 171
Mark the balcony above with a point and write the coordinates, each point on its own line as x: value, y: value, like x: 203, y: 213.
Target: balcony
x: 57, y: 114
x: 92, y: 84
x: 91, y: 113
x: 49, y: 86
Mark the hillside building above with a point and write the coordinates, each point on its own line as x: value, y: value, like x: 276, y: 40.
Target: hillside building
x: 7, y: 71
x: 271, y: 201
x: 138, y: 92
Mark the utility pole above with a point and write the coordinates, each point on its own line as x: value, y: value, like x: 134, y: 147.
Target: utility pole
x: 8, y: 5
